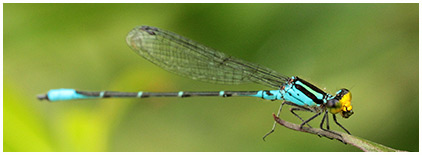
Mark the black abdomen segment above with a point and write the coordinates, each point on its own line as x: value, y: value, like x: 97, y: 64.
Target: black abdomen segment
x: 109, y: 94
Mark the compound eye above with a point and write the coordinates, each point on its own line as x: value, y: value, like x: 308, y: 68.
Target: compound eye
x: 343, y: 92
x: 332, y: 103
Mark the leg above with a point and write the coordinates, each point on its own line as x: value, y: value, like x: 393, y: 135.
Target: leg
x: 335, y: 120
x: 294, y: 109
x: 310, y: 119
x: 275, y: 123
x: 323, y: 120
x: 328, y: 127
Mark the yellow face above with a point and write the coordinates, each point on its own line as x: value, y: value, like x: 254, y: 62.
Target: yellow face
x: 346, y: 107
x: 344, y: 98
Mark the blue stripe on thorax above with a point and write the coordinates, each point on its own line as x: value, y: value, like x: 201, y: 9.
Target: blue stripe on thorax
x: 298, y: 92
x: 303, y: 93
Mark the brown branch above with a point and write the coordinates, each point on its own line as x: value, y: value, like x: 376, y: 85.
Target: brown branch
x: 363, y: 144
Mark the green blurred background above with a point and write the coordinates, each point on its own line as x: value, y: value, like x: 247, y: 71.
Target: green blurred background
x: 372, y: 49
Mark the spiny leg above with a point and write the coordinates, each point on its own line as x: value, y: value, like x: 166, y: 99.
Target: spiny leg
x: 275, y: 123
x: 335, y: 120
x: 301, y: 109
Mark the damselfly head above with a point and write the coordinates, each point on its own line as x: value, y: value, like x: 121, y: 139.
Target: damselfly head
x: 345, y: 99
x: 341, y: 103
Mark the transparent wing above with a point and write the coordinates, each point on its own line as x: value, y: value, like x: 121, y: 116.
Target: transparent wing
x: 188, y: 58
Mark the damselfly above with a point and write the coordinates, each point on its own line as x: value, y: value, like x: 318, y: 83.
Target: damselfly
x: 188, y: 58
